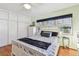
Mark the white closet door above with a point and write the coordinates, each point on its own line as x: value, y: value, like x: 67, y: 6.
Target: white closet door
x: 12, y: 16
x: 3, y: 14
x: 12, y: 31
x: 22, y: 30
x: 3, y: 33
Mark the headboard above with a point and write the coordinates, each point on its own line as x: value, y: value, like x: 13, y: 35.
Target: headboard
x: 52, y: 29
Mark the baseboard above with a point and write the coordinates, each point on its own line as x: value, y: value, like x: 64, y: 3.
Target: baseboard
x: 70, y: 48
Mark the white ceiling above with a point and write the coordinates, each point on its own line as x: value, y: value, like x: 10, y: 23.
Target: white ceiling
x: 37, y: 8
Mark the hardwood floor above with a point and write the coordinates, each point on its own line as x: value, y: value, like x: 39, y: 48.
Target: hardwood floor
x: 6, y: 51
x: 67, y: 52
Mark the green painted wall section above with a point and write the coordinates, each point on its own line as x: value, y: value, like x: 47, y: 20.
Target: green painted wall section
x: 75, y: 21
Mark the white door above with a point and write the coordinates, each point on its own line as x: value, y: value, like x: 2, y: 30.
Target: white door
x: 3, y: 33
x: 12, y: 31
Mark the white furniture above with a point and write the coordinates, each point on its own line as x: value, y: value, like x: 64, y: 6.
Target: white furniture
x: 31, y: 31
x: 22, y: 26
x: 22, y: 30
x: 66, y: 41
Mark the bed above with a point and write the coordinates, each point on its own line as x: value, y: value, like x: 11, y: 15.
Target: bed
x: 37, y: 45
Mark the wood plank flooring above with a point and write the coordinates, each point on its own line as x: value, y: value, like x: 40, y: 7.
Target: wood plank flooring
x: 67, y: 52
x: 6, y: 51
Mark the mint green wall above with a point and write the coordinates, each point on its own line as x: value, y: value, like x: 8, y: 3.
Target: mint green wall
x: 75, y: 21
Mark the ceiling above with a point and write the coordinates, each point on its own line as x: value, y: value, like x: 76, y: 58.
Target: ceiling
x: 37, y: 8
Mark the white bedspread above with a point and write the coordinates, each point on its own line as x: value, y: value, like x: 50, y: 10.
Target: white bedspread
x: 52, y: 49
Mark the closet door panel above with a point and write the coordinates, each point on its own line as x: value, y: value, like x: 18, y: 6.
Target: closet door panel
x: 12, y: 31
x: 12, y: 16
x: 3, y: 15
x: 3, y: 33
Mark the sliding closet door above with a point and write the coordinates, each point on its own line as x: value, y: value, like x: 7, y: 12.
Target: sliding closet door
x: 3, y: 33
x: 12, y: 26
x: 3, y: 28
x: 12, y: 31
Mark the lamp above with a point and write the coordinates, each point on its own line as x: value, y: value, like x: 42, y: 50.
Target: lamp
x: 27, y: 6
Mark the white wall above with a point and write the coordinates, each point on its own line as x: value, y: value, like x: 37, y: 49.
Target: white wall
x: 75, y: 21
x: 12, y: 26
x: 22, y: 26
